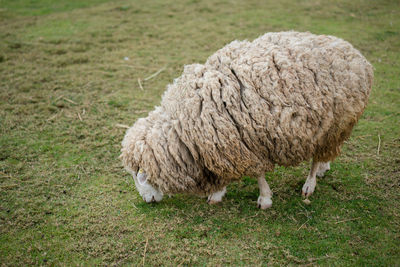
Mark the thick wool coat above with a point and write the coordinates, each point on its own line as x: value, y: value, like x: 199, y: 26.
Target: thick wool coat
x: 281, y: 99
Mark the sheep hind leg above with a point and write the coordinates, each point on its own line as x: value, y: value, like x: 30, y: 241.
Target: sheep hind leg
x: 264, y: 200
x: 322, y: 168
x: 216, y: 197
x: 311, y: 182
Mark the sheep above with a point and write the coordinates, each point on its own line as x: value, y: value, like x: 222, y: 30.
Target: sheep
x: 282, y: 99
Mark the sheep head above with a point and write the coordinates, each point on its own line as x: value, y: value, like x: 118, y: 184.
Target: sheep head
x: 145, y: 189
x: 134, y: 147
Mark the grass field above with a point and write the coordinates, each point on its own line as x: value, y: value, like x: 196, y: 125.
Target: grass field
x: 68, y: 78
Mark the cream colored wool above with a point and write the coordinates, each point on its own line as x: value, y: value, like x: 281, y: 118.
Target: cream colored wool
x: 281, y: 99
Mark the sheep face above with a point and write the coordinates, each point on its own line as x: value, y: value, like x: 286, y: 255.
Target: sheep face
x: 145, y: 189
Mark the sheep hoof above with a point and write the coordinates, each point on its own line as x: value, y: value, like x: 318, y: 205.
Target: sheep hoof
x: 216, y: 197
x: 308, y: 189
x: 264, y: 203
x: 212, y: 202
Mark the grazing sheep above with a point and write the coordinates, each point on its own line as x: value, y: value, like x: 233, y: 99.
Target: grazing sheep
x: 284, y: 98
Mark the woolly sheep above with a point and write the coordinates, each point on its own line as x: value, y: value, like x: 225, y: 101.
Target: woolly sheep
x: 281, y: 99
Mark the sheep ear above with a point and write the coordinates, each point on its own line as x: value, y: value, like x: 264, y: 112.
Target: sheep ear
x: 142, y: 177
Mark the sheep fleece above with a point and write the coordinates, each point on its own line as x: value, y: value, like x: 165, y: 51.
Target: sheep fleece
x: 281, y: 99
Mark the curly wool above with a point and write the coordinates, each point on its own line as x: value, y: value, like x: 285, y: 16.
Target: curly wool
x: 282, y: 99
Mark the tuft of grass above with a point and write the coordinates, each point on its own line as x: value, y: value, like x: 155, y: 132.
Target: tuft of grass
x: 68, y: 76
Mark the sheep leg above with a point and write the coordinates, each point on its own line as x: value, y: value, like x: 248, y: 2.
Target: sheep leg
x: 264, y: 200
x: 323, y: 167
x: 216, y: 197
x: 311, y: 182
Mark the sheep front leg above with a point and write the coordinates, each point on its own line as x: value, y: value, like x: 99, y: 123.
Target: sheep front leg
x: 216, y: 197
x: 264, y: 200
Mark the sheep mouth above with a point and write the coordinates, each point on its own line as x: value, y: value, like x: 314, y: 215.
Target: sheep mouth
x: 152, y: 200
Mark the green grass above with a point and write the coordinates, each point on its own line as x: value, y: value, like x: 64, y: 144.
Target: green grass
x: 64, y: 87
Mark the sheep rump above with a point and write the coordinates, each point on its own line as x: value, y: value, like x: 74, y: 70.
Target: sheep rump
x: 281, y: 99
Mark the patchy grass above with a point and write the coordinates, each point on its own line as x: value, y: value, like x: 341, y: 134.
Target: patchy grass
x: 65, y: 85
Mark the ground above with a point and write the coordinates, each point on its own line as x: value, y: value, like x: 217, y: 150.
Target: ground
x: 69, y: 82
